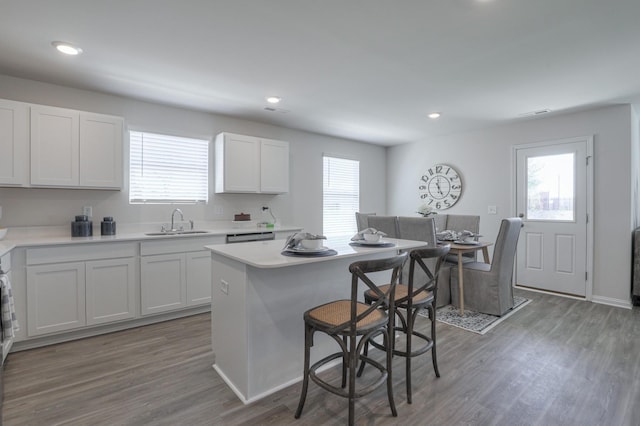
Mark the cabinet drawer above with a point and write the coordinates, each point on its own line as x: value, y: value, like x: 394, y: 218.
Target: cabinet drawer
x: 80, y: 252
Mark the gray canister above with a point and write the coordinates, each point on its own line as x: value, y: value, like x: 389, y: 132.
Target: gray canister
x: 82, y: 227
x: 108, y: 226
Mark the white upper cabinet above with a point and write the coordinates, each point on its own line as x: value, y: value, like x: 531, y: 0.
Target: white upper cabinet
x: 237, y: 163
x: 100, y: 151
x: 55, y: 150
x: 75, y: 149
x: 274, y: 166
x: 247, y: 164
x: 14, y: 143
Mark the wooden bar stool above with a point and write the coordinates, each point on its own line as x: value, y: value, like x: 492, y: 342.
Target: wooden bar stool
x: 346, y: 321
x: 412, y: 298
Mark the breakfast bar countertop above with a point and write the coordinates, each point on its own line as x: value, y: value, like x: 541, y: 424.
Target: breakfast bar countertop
x: 267, y: 254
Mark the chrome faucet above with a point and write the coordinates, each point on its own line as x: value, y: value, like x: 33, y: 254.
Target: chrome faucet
x: 173, y: 214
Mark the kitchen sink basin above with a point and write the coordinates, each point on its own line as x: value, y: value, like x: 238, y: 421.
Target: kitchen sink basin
x: 176, y: 232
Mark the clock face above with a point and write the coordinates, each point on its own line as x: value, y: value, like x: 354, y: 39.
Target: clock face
x: 440, y: 187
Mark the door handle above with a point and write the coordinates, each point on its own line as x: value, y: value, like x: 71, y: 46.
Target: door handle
x: 521, y: 216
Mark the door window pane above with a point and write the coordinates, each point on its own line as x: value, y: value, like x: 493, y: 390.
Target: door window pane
x: 550, y: 187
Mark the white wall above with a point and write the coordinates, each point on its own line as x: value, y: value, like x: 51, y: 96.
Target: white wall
x: 635, y: 167
x: 302, y: 206
x: 484, y: 160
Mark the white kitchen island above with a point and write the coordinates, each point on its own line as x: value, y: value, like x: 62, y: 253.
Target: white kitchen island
x: 259, y: 298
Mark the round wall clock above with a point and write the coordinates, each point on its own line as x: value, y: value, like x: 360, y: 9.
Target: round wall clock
x: 440, y: 187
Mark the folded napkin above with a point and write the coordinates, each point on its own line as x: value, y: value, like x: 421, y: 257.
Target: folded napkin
x: 450, y: 235
x: 295, y: 239
x: 447, y: 235
x: 360, y: 235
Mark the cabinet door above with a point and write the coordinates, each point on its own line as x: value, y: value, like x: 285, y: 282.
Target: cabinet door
x: 237, y: 163
x: 55, y: 298
x: 163, y: 283
x: 100, y: 151
x: 14, y: 143
x: 54, y: 146
x: 274, y: 166
x: 111, y: 290
x: 198, y: 278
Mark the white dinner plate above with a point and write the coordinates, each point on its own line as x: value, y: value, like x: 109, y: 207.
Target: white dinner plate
x: 467, y: 243
x: 301, y: 249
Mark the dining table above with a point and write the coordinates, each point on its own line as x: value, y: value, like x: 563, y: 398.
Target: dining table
x: 460, y: 248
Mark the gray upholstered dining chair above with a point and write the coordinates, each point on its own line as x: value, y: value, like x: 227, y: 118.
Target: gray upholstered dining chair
x: 488, y: 287
x: 424, y: 229
x: 386, y: 224
x: 459, y: 223
x: 362, y: 220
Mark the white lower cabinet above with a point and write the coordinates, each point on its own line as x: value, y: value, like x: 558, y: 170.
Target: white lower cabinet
x: 163, y: 283
x: 55, y: 298
x: 199, y: 278
x: 69, y: 287
x: 175, y: 274
x: 110, y: 290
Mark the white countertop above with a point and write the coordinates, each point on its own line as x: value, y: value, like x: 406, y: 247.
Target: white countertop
x: 61, y: 235
x: 267, y: 254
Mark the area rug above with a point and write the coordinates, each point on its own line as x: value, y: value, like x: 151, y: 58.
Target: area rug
x: 475, y: 321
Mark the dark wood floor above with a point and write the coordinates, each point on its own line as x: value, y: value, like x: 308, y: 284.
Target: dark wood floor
x: 557, y: 361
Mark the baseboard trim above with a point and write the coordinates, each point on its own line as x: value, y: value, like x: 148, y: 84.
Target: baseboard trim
x: 602, y: 300
x: 626, y: 304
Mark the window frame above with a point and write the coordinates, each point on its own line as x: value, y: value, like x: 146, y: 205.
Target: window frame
x: 346, y: 219
x: 200, y: 196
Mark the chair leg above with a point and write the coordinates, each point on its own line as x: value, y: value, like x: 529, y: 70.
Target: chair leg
x: 390, y: 334
x: 409, y: 334
x: 353, y: 359
x: 434, y: 357
x: 345, y: 362
x: 365, y: 352
x: 305, y: 379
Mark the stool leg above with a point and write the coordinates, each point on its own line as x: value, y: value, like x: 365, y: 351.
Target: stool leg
x: 353, y: 359
x: 365, y: 352
x: 434, y: 358
x: 305, y: 379
x: 409, y: 334
x: 390, y: 334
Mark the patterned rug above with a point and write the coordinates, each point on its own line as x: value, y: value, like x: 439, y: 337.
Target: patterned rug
x: 475, y: 321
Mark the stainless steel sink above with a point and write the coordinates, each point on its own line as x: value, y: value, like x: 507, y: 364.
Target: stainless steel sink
x: 152, y: 234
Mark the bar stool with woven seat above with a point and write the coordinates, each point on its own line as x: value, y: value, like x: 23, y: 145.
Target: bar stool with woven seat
x: 413, y: 298
x: 346, y: 321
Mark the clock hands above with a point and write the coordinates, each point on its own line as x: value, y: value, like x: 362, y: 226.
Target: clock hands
x: 438, y: 185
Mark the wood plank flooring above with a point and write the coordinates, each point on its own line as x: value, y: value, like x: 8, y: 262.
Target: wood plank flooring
x: 557, y: 361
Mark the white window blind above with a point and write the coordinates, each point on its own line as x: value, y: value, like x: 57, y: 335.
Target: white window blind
x: 341, y: 195
x: 168, y: 169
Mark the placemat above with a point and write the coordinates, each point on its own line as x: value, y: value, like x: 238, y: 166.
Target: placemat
x: 330, y: 252
x: 355, y: 243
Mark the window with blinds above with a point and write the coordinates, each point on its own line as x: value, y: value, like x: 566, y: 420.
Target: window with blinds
x: 341, y: 196
x: 165, y: 169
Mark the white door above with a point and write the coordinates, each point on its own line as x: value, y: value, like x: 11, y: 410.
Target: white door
x: 553, y: 198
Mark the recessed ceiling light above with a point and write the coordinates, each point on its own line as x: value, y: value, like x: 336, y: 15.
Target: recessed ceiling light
x: 66, y: 48
x: 274, y: 99
x: 434, y: 115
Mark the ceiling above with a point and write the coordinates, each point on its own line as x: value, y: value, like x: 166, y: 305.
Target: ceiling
x: 368, y: 70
